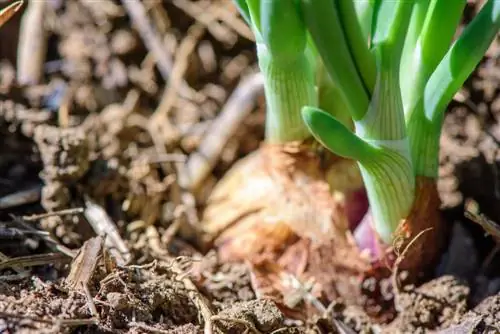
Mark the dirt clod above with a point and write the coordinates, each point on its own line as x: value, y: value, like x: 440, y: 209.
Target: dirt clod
x: 352, y: 316
x: 263, y: 314
x: 433, y: 305
x: 64, y: 152
x: 488, y: 313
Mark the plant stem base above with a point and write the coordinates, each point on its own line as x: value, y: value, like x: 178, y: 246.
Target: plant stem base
x: 277, y: 206
x: 426, y: 249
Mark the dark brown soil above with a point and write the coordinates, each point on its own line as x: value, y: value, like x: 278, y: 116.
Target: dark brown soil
x: 110, y: 126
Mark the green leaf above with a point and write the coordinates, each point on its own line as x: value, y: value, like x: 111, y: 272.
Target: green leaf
x: 364, y: 12
x: 283, y: 29
x: 330, y: 98
x: 390, y: 24
x: 434, y: 41
x: 254, y: 11
x: 461, y: 60
x: 417, y: 20
x: 243, y: 9
x: 323, y: 23
x: 358, y: 44
x: 335, y: 136
x: 437, y: 33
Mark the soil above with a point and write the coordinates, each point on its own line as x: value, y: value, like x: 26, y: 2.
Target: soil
x: 101, y: 140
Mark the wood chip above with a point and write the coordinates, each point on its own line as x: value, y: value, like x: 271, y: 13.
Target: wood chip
x: 84, y: 263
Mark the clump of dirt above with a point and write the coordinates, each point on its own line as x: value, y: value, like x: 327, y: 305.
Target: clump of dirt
x: 123, y: 300
x: 39, y: 301
x: 148, y: 296
x: 64, y: 152
x: 263, y: 314
x: 339, y: 314
x: 434, y: 305
x: 488, y: 311
x: 226, y: 283
x: 65, y: 156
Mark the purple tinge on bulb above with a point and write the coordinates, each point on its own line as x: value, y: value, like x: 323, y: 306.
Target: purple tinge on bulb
x: 367, y: 239
x: 356, y: 207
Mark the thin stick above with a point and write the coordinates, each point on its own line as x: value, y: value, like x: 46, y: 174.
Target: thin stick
x: 64, y: 109
x: 90, y: 301
x: 152, y: 40
x: 238, y: 106
x: 167, y: 157
x: 9, y: 11
x: 103, y: 225
x: 178, y: 70
x: 22, y: 197
x: 206, y: 18
x: 54, y: 244
x: 32, y: 45
x: 22, y: 273
x: 195, y: 297
x: 32, y: 260
x: 73, y: 211
x: 232, y: 21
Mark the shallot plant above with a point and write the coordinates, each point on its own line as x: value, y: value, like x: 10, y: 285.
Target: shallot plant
x: 263, y: 203
x: 372, y: 80
x: 397, y: 64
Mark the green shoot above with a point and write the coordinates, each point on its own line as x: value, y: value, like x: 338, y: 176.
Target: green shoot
x: 396, y: 135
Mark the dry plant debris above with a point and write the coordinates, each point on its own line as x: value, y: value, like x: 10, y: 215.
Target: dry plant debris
x: 132, y: 111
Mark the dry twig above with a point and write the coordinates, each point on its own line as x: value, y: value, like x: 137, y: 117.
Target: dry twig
x: 232, y: 21
x: 22, y: 197
x: 90, y: 302
x: 9, y: 11
x: 177, y: 76
x: 152, y: 40
x: 104, y: 226
x: 238, y: 106
x: 84, y: 263
x: 195, y: 296
x: 32, y: 44
x: 21, y: 273
x: 55, y: 213
x: 45, y: 236
x: 32, y: 260
x: 208, y: 19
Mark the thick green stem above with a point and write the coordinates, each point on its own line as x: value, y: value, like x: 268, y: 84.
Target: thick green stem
x: 408, y: 56
x: 424, y: 138
x: 389, y: 178
x: 425, y: 119
x: 288, y: 87
x: 324, y: 25
x: 364, y: 12
x: 330, y: 98
x: 358, y: 44
x: 390, y: 185
x: 432, y: 44
x: 384, y: 119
